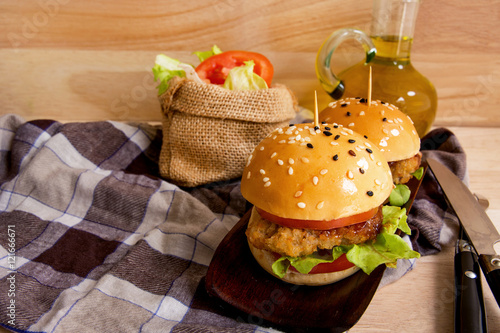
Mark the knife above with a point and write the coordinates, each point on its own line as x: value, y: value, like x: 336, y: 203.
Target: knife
x: 470, y: 315
x: 476, y: 224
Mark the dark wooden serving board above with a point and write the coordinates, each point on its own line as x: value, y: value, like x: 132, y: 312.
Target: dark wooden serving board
x: 235, y: 277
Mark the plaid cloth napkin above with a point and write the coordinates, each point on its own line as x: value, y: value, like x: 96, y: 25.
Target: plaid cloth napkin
x: 92, y: 240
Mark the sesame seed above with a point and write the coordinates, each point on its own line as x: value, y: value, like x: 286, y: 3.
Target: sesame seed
x: 378, y: 182
x: 305, y: 160
x: 303, y: 144
x: 290, y: 170
x: 261, y: 148
x: 384, y: 119
x: 298, y: 137
x: 320, y: 204
x: 362, y: 100
x: 335, y: 157
x: 368, y: 144
x: 343, y: 105
x: 327, y: 128
x: 333, y: 143
x: 385, y: 131
x: 351, y: 125
x: 369, y: 150
x: 358, y: 148
x: 291, y: 161
x: 335, y: 126
x: 267, y: 184
x: 323, y: 172
x: 366, y: 137
x: 352, y: 153
x: 291, y: 125
x: 265, y: 179
x: 327, y: 133
x: 379, y: 163
x: 307, y: 139
x: 280, y: 162
x: 348, y: 114
x: 370, y: 193
x: 336, y: 137
x: 301, y: 205
x: 274, y: 154
x: 249, y: 174
x: 315, y: 180
x: 361, y: 170
x: 298, y: 194
x: 344, y: 133
x: 390, y: 121
x: 350, y: 174
x: 291, y: 142
x: 282, y: 141
x: 309, y: 145
x: 362, y: 113
x: 316, y: 128
x: 371, y: 157
x: 351, y: 140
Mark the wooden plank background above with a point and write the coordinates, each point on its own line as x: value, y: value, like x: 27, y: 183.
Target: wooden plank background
x: 75, y: 60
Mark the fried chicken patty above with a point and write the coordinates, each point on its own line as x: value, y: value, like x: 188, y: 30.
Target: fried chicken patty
x: 402, y: 170
x: 266, y: 235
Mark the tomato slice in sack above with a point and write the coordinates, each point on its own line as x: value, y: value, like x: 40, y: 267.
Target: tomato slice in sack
x: 216, y: 67
x: 317, y: 224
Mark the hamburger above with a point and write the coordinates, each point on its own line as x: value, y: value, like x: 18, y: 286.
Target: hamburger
x: 317, y: 195
x: 385, y: 125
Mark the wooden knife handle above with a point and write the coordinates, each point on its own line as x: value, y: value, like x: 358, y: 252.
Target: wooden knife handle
x: 491, y: 269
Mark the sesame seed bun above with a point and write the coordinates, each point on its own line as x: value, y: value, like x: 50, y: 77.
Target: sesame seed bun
x: 326, y: 173
x: 384, y: 124
x: 266, y: 260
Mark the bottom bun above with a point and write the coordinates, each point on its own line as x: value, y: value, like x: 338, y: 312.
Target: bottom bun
x: 266, y: 260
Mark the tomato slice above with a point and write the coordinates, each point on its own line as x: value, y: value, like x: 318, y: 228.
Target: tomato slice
x: 216, y: 67
x: 316, y: 224
x: 339, y: 264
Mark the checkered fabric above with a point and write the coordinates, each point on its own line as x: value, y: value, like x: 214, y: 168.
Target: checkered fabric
x: 102, y: 244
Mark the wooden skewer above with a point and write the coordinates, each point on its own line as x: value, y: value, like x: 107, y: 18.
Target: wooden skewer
x: 370, y: 87
x: 316, y: 116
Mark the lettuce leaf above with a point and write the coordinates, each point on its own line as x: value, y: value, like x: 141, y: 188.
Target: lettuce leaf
x: 399, y: 195
x: 387, y: 248
x: 166, y: 68
x: 203, y: 55
x: 418, y: 173
x: 243, y: 78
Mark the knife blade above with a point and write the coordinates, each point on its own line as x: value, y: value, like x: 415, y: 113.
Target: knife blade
x: 470, y: 314
x: 477, y: 225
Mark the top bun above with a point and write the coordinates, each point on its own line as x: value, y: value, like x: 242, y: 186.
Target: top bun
x: 321, y: 173
x: 384, y: 124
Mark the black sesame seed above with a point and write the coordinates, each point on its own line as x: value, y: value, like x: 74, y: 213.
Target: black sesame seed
x: 291, y: 125
x: 343, y: 105
x: 323, y: 122
x: 336, y: 137
x: 362, y: 100
x: 309, y: 145
x: 335, y: 157
x: 370, y: 193
x: 316, y: 128
x: 327, y: 133
x: 362, y: 170
x: 384, y: 119
x: 352, y: 153
x: 383, y: 103
x: 369, y: 150
x: 335, y: 126
x: 351, y: 140
x: 327, y: 128
x: 365, y: 136
x: 348, y: 114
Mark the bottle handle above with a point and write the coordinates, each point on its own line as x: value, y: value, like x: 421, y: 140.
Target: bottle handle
x: 329, y: 81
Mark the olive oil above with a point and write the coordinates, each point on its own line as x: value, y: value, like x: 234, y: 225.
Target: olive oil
x: 394, y: 80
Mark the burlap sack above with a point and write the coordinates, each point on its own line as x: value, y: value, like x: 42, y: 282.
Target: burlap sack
x: 209, y: 131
